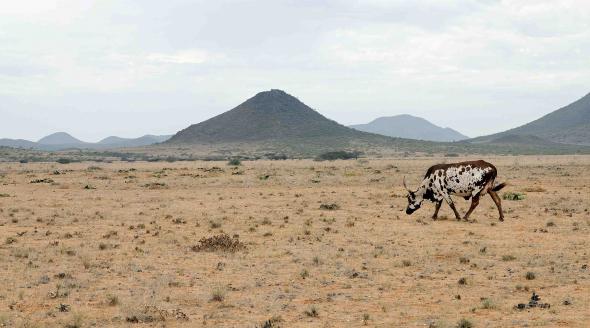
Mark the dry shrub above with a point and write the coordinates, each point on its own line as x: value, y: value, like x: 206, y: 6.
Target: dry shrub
x: 222, y: 242
x: 329, y: 207
x: 144, y: 314
x: 156, y: 185
x: 534, y: 189
x: 274, y: 322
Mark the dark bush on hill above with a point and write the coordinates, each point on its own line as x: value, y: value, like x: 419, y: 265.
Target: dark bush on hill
x: 276, y: 157
x: 66, y: 160
x: 234, y: 162
x: 334, y: 155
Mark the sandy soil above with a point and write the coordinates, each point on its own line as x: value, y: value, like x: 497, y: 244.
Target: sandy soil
x: 110, y: 245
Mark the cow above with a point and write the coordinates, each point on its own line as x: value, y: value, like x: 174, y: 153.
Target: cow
x: 471, y: 179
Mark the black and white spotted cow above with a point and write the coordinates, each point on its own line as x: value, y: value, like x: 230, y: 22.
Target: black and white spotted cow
x: 466, y: 179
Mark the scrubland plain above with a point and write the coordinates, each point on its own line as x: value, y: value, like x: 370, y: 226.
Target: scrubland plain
x: 308, y: 244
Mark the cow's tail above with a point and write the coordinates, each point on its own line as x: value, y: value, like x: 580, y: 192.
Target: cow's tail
x: 499, y: 186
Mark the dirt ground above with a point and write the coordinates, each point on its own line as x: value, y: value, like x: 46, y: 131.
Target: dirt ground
x: 311, y: 244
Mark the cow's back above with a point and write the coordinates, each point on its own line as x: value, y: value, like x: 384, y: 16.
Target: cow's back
x: 474, y: 164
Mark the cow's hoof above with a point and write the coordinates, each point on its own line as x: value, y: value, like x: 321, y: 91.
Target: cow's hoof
x: 501, y: 219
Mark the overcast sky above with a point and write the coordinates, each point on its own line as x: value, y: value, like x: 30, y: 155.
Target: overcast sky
x: 127, y: 68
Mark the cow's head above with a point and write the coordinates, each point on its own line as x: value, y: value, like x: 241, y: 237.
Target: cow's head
x: 414, y: 199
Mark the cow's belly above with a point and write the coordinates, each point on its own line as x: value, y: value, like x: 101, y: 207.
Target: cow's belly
x: 461, y: 193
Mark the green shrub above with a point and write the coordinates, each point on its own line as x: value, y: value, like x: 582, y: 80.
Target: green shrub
x: 487, y: 304
x: 513, y: 196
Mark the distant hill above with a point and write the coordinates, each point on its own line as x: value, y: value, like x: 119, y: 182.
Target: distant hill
x: 410, y: 127
x: 271, y: 116
x: 17, y: 143
x: 118, y: 142
x: 60, y: 138
x: 567, y: 125
x: 63, y: 140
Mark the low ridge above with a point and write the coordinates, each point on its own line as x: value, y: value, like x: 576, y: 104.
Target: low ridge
x: 62, y: 141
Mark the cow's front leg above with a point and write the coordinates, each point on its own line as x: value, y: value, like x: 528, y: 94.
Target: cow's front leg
x: 436, y: 208
x: 449, y: 201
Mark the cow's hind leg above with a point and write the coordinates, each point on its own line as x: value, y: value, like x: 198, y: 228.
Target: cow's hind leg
x: 496, y: 199
x: 474, y: 203
x: 436, y: 208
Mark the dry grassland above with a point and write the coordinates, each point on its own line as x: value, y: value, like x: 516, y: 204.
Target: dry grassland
x: 309, y: 244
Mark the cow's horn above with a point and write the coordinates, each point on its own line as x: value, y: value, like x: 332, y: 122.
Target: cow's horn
x: 406, y: 185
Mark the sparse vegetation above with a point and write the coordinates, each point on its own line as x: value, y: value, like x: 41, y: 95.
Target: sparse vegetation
x: 530, y: 275
x: 330, y: 207
x: 312, y: 312
x: 46, y: 180
x: 487, y: 304
x: 218, y: 295
x: 274, y: 322
x: 124, y: 255
x: 112, y: 300
x: 464, y: 323
x: 304, y: 273
x: 366, y: 318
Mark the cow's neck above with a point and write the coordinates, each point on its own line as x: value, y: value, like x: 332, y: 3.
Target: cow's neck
x: 422, y: 189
